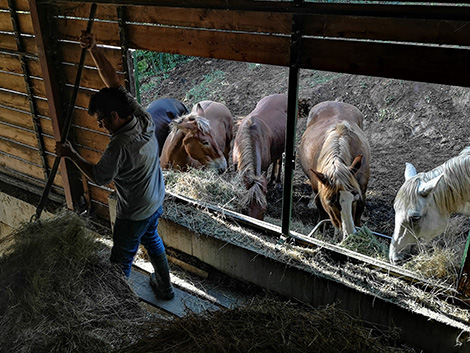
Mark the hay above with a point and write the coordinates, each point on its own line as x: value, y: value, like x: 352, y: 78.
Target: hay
x: 437, y: 263
x: 267, y: 326
x: 441, y: 259
x: 205, y: 184
x: 364, y: 242
x: 60, y: 293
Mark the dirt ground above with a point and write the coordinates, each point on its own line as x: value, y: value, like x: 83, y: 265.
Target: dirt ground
x: 405, y: 121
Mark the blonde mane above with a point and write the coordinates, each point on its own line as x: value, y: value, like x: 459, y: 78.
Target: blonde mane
x: 450, y: 193
x: 202, y: 123
x: 335, y: 158
x: 246, y: 164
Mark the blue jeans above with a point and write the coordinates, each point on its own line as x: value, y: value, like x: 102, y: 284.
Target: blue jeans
x: 127, y: 236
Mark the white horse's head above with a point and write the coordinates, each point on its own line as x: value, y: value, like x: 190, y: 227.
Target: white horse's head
x: 417, y: 215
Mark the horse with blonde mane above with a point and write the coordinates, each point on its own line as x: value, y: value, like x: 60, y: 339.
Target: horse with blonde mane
x: 425, y: 201
x: 259, y: 142
x: 334, y: 153
x: 200, y: 138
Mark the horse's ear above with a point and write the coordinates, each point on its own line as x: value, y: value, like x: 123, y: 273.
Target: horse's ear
x: 426, y: 188
x: 356, y: 164
x: 199, y: 110
x: 187, y: 126
x: 320, y: 177
x: 410, y: 171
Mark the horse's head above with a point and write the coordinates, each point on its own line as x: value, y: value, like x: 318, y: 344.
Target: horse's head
x: 417, y: 215
x: 339, y: 194
x: 255, y: 200
x: 198, y: 141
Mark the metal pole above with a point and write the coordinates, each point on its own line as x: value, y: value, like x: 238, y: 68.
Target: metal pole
x: 67, y: 123
x: 292, y: 110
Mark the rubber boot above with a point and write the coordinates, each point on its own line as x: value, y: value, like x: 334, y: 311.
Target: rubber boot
x: 160, y: 280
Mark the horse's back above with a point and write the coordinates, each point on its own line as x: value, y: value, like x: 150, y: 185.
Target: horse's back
x: 215, y: 111
x: 272, y: 111
x: 266, y: 124
x: 326, y: 113
x: 271, y: 108
x: 342, y: 118
x: 163, y: 111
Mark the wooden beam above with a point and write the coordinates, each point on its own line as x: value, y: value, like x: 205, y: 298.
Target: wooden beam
x: 408, y: 62
x: 23, y: 120
x: 17, y: 83
x: 12, y: 63
x: 24, y: 23
x: 8, y: 41
x: 16, y: 100
x: 41, y: 28
x: 410, y: 29
x: 250, y: 5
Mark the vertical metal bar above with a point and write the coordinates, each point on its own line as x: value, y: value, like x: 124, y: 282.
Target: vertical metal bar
x: 292, y: 109
x: 27, y: 82
x: 463, y: 283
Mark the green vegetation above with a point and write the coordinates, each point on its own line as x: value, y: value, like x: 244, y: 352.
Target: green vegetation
x: 204, y: 90
x: 152, y: 67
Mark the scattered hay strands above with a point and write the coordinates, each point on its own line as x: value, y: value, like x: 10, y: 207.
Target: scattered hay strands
x: 59, y: 292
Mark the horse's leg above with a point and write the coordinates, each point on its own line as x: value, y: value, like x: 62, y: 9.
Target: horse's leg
x: 276, y: 174
x: 360, y: 206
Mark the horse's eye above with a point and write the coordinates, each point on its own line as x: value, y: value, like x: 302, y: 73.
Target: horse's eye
x: 205, y: 143
x: 414, y: 219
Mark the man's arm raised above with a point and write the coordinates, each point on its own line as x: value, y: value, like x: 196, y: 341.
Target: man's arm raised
x: 107, y: 71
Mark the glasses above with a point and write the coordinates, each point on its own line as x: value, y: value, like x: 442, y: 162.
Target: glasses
x: 100, y: 121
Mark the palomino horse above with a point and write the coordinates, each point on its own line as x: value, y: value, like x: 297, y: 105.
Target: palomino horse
x: 259, y: 142
x: 163, y: 111
x: 425, y: 201
x: 200, y: 138
x: 335, y: 155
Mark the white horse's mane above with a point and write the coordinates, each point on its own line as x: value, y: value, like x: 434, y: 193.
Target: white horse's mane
x: 451, y: 192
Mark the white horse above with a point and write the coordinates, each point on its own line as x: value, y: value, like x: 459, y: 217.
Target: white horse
x: 425, y: 201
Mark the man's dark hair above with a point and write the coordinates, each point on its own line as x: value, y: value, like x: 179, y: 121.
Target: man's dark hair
x: 107, y: 100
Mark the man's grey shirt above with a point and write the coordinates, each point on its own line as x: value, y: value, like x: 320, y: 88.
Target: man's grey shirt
x: 131, y: 161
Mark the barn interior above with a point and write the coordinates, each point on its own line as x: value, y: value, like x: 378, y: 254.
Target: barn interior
x: 40, y: 61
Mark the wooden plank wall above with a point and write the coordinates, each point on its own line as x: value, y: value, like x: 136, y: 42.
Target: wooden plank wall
x: 20, y: 153
x: 415, y: 42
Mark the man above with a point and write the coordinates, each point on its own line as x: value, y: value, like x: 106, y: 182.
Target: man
x: 131, y: 161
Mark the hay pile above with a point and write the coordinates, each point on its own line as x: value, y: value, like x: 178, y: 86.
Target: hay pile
x: 224, y: 190
x: 59, y: 292
x: 267, y: 326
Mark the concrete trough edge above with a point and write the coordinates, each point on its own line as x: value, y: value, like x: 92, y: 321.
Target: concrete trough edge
x: 418, y: 328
